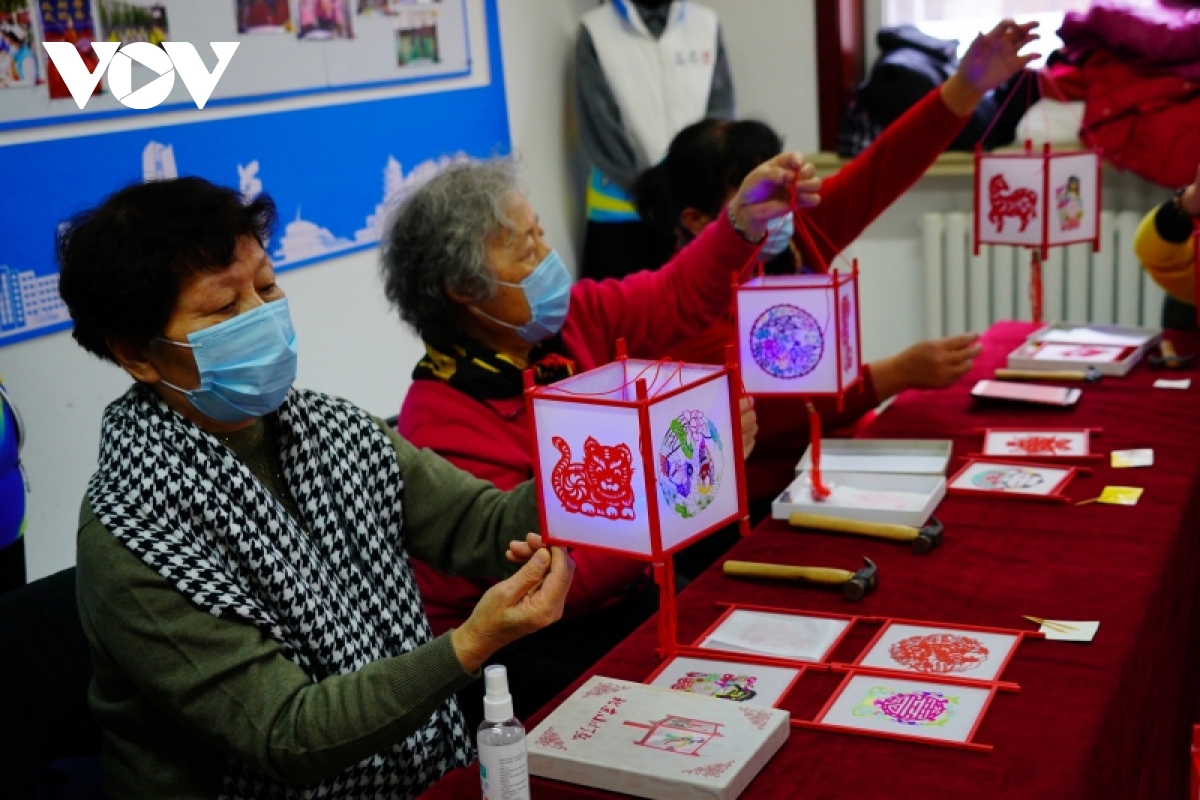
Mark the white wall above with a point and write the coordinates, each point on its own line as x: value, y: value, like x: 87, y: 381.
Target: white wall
x: 351, y: 344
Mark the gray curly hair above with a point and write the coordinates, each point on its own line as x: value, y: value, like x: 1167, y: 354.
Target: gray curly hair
x: 437, y: 243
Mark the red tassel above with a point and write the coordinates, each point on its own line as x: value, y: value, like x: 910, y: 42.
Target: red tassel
x: 1035, y: 285
x: 819, y: 490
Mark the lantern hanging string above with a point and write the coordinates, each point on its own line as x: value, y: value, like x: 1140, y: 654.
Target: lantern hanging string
x: 675, y: 375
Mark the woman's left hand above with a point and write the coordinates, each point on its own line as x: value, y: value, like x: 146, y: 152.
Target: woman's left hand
x: 992, y: 58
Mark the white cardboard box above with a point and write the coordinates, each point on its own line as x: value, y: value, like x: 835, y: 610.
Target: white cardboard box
x: 652, y: 742
x: 906, y: 456
x: 1038, y: 352
x: 865, y: 496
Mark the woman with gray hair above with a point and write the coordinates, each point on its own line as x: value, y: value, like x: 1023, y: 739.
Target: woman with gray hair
x: 466, y: 263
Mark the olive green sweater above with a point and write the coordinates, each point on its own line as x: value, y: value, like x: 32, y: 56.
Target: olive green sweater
x: 176, y: 690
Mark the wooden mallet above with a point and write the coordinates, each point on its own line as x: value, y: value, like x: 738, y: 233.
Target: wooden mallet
x: 923, y: 539
x: 855, y: 585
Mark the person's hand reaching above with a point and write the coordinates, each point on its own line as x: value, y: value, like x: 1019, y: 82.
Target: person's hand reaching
x: 992, y: 59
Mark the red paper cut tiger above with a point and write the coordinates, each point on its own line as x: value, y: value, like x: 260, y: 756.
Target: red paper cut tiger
x: 599, y: 486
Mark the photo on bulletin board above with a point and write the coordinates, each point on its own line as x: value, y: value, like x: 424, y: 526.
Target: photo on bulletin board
x: 264, y: 16
x: 738, y: 682
x: 285, y: 48
x: 908, y: 708
x: 941, y: 650
x: 127, y: 22
x: 321, y: 20
x: 19, y: 48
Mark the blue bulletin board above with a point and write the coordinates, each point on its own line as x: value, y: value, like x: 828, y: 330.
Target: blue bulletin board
x: 334, y: 170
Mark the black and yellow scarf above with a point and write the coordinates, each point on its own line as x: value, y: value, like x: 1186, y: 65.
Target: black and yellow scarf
x: 485, y: 374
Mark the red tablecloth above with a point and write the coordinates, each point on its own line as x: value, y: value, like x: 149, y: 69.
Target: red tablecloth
x: 1106, y: 719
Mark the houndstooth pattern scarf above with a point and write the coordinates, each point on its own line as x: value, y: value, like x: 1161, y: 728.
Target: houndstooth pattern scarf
x: 336, y: 594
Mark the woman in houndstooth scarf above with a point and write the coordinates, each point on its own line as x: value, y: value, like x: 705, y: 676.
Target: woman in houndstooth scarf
x: 244, y: 579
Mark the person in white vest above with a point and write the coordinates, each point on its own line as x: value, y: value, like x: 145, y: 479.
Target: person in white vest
x: 644, y: 71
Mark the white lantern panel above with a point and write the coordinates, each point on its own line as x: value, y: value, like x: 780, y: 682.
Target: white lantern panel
x: 1074, y: 196
x: 848, y: 336
x: 695, y: 460
x: 1009, y: 204
x: 787, y: 339
x: 593, y: 487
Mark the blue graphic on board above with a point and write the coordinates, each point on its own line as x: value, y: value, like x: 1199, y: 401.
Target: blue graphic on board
x: 334, y: 172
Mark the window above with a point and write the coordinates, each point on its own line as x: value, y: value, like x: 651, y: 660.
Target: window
x: 963, y: 19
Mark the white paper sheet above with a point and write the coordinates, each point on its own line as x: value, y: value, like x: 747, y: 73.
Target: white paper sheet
x: 788, y: 635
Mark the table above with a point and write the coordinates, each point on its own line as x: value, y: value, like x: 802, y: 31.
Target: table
x: 1106, y: 719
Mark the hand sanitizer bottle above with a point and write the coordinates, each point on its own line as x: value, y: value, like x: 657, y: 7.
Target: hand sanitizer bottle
x: 503, y: 766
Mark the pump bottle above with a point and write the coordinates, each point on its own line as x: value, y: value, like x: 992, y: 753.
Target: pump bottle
x: 503, y: 765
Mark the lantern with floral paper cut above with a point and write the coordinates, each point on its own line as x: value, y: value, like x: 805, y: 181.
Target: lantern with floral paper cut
x: 1037, y: 200
x: 639, y: 459
x: 799, y: 334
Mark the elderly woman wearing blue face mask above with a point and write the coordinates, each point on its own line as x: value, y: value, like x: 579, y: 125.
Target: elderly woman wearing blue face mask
x: 244, y: 576
x: 468, y: 266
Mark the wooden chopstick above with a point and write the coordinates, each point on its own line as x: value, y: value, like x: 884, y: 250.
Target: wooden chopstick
x: 1061, y: 627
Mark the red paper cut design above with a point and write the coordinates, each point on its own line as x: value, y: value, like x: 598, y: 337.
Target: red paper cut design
x: 1084, y: 351
x: 677, y: 734
x: 1006, y: 479
x: 914, y: 708
x: 550, y: 738
x: 722, y: 685
x: 847, y: 340
x: 1019, y: 203
x: 1040, y: 445
x: 711, y: 771
x: 939, y: 653
x: 606, y: 688
x: 757, y: 717
x: 599, y: 486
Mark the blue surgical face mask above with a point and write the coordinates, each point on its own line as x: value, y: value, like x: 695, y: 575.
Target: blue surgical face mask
x: 779, y: 235
x: 548, y: 291
x: 247, y: 364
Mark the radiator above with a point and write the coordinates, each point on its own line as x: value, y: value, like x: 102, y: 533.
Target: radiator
x: 965, y: 292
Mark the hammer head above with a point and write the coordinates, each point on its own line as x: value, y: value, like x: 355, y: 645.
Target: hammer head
x: 864, y: 581
x: 1169, y: 359
x: 929, y: 537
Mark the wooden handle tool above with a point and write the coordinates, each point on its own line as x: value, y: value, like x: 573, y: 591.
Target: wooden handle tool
x: 881, y: 530
x: 758, y: 569
x: 1005, y: 374
x: 922, y: 539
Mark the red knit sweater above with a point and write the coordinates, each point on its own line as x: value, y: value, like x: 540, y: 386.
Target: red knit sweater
x: 679, y: 310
